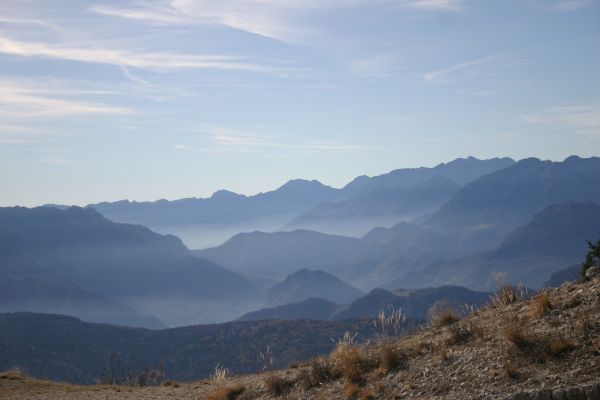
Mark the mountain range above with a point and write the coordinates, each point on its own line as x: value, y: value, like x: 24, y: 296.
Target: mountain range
x: 353, y: 210
x: 415, y: 304
x: 75, y: 259
x: 67, y: 349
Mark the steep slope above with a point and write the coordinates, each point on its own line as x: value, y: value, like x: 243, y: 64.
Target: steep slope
x: 516, y: 351
x: 378, y: 204
x: 402, y: 194
x: 509, y: 197
x: 414, y: 303
x: 210, y: 221
x: 554, y: 238
x: 279, y: 254
x: 125, y: 262
x: 305, y: 284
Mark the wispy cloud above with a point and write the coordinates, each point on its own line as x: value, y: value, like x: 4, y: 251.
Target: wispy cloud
x: 456, y: 71
x: 222, y: 139
x: 584, y: 119
x: 569, y: 5
x: 145, y: 60
x: 275, y: 19
x: 57, y: 161
x: 28, y: 100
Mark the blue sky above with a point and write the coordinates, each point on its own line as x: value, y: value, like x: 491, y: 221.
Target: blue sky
x: 168, y: 99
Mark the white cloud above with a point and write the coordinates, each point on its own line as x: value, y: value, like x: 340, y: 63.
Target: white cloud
x: 143, y: 60
x: 455, y: 71
x: 275, y: 19
x: 583, y: 119
x: 57, y: 161
x: 570, y: 5
x: 222, y: 139
x: 18, y: 100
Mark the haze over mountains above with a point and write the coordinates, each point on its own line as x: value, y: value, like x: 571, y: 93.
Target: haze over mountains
x: 48, y: 253
x: 353, y: 210
x: 73, y: 260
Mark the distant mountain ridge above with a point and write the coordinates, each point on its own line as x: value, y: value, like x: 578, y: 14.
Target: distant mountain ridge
x: 552, y: 239
x: 415, y: 304
x: 402, y: 194
x: 66, y: 349
x: 306, y: 283
x: 279, y: 254
x: 78, y: 251
x: 363, y: 204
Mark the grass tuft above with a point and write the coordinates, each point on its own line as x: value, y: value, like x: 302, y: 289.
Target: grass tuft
x: 277, y: 385
x: 227, y: 393
x: 541, y: 305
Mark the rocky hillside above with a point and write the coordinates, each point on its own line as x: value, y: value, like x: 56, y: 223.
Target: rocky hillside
x: 546, y: 347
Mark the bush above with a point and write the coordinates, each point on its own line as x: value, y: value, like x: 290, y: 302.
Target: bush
x: 517, y: 337
x: 319, y: 371
x: 390, y: 357
x: 541, y: 305
x: 351, y: 362
x: 276, y: 385
x: 506, y: 295
x: 444, y: 317
x: 226, y: 393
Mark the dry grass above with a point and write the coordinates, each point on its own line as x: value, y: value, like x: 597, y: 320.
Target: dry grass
x: 510, y: 371
x: 557, y: 347
x: 220, y: 375
x: 444, y: 317
x: 518, y: 337
x: 443, y: 389
x: 540, y: 306
x: 227, y: 393
x: 477, y: 330
x: 352, y: 391
x: 13, y: 374
x: 390, y: 357
x: 506, y: 295
x: 318, y: 372
x: 458, y: 335
x: 368, y: 395
x: 351, y: 362
x: 277, y: 385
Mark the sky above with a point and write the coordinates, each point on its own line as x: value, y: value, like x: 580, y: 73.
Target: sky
x: 142, y: 100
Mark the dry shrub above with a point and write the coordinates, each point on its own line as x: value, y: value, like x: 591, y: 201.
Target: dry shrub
x: 442, y: 389
x: 458, y: 335
x: 351, y: 362
x: 477, y: 330
x: 13, y: 374
x: 390, y: 357
x: 171, y: 384
x: 541, y: 305
x: 368, y: 395
x: 583, y: 324
x: 506, y: 295
x: 442, y: 352
x: 319, y: 371
x: 227, y: 393
x: 518, y: 337
x: 510, y: 371
x: 444, y: 317
x: 351, y: 392
x: 421, y: 347
x: 558, y: 346
x: 277, y: 385
x: 220, y: 375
